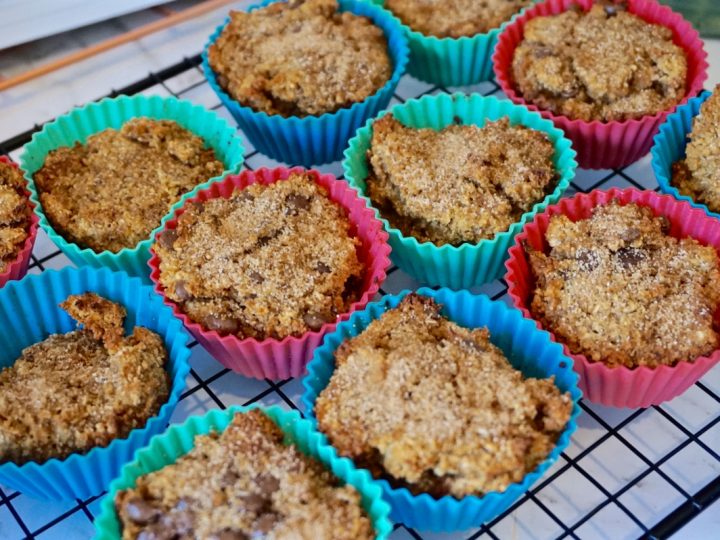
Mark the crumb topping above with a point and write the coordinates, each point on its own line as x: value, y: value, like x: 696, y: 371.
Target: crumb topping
x: 14, y: 214
x: 241, y: 484
x: 454, y: 18
x: 112, y: 191
x: 461, y: 184
x: 436, y: 407
x: 604, y: 64
x: 270, y: 261
x: 75, y: 391
x: 300, y: 58
x: 618, y: 289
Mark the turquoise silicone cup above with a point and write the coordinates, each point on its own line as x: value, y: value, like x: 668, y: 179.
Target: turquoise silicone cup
x: 669, y: 147
x: 451, y: 61
x: 314, y: 140
x: 529, y: 349
x: 78, y: 124
x: 29, y: 313
x: 180, y: 439
x: 468, y: 265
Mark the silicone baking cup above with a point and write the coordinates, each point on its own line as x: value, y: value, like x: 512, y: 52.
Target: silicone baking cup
x: 283, y: 358
x: 29, y: 313
x: 18, y: 268
x: 670, y: 145
x: 451, y: 61
x: 468, y: 265
x: 602, y: 145
x: 77, y: 125
x: 314, y: 140
x: 618, y: 386
x: 530, y: 350
x: 180, y: 439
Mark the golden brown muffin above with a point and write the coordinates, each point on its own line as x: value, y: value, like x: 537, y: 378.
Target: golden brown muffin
x: 436, y: 407
x: 455, y: 18
x: 14, y: 214
x: 242, y: 484
x: 112, y: 191
x: 460, y: 184
x: 698, y: 175
x: 616, y: 288
x: 271, y: 261
x: 76, y: 391
x: 300, y: 58
x: 605, y: 64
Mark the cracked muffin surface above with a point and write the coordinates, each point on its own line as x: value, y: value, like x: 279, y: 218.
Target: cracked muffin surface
x: 461, y: 184
x: 14, y: 214
x: 112, y: 191
x: 454, y: 18
x: 437, y: 408
x: 604, y: 64
x: 270, y: 261
x: 300, y: 58
x: 242, y: 484
x: 76, y: 391
x: 618, y: 289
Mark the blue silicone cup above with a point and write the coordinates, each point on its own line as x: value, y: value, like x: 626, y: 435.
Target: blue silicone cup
x: 669, y: 147
x: 29, y: 313
x: 528, y: 348
x: 82, y: 122
x: 314, y: 140
x: 180, y: 439
x: 467, y: 265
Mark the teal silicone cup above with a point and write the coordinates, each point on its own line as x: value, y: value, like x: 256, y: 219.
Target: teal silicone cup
x: 180, y: 439
x: 314, y: 140
x: 78, y: 124
x: 669, y: 147
x: 467, y: 265
x: 29, y: 313
x: 528, y: 348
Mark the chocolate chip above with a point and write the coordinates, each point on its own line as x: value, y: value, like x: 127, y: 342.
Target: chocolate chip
x: 256, y: 277
x: 224, y: 326
x: 587, y: 259
x: 630, y: 234
x: 230, y: 534
x: 314, y: 321
x: 268, y: 484
x: 254, y: 503
x: 181, y: 291
x: 141, y: 511
x: 630, y: 256
x: 265, y: 523
x: 245, y: 195
x: 167, y: 238
x: 297, y: 202
x: 322, y: 268
x: 264, y: 240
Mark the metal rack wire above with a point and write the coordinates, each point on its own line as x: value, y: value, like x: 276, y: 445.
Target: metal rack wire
x: 643, y: 473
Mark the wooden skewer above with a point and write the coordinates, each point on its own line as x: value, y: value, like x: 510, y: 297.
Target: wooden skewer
x: 137, y: 33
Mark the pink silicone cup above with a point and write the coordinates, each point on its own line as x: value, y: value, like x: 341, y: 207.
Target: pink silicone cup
x: 618, y: 386
x: 275, y: 358
x: 602, y: 145
x: 18, y: 268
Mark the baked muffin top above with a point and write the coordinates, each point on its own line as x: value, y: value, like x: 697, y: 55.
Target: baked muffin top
x: 241, y: 484
x: 300, y: 58
x: 454, y: 18
x: 618, y: 289
x: 112, y: 191
x: 270, y: 261
x: 436, y: 407
x: 73, y: 392
x: 604, y: 64
x: 460, y: 184
x: 698, y: 175
x: 14, y: 214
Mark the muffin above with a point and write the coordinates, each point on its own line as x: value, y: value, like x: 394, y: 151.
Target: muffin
x: 618, y: 289
x: 300, y: 58
x: 112, y: 191
x: 460, y: 184
x: 437, y: 408
x: 76, y: 391
x: 14, y: 214
x: 240, y: 484
x: 698, y: 175
x: 270, y: 261
x: 604, y: 64
x: 454, y: 18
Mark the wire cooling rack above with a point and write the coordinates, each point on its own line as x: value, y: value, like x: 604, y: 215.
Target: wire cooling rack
x: 626, y: 474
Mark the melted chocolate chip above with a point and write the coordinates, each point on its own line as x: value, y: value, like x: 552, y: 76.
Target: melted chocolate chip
x: 245, y: 195
x: 630, y: 234
x: 181, y: 291
x: 587, y: 259
x: 141, y: 511
x: 264, y: 240
x: 224, y: 326
x: 231, y: 534
x: 266, y: 522
x: 255, y: 503
x: 314, y: 321
x: 630, y: 257
x: 322, y: 268
x: 256, y: 277
x: 167, y: 238
x: 296, y: 202
x: 268, y: 484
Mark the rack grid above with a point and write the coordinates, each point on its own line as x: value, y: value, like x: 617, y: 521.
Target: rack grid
x: 626, y: 474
